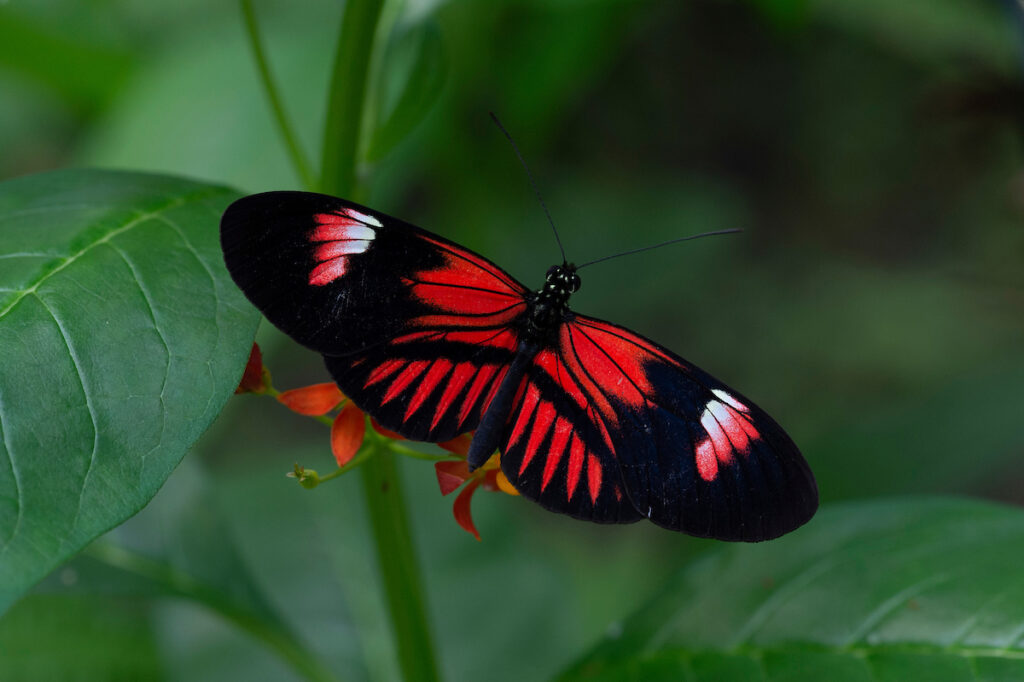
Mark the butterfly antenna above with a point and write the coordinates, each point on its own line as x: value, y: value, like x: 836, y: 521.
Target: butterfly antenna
x: 658, y: 246
x: 533, y: 183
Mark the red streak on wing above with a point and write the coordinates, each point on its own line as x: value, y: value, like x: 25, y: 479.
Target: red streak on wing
x: 594, y: 394
x: 430, y: 381
x: 730, y: 423
x: 613, y: 363
x: 576, y: 452
x: 530, y: 401
x: 551, y: 363
x: 593, y: 476
x: 545, y: 415
x: 383, y: 371
x: 607, y: 437
x: 335, y: 227
x: 723, y: 446
x: 482, y: 337
x: 415, y: 336
x: 327, y: 272
x: 458, y: 320
x: 625, y: 340
x: 460, y: 377
x: 332, y: 250
x: 746, y: 425
x: 456, y: 254
x: 483, y: 376
x: 707, y: 460
x: 406, y: 377
x: 494, y: 389
x: 563, y: 430
x: 456, y: 298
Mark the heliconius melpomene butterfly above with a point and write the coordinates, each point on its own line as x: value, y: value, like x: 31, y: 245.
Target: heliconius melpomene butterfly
x: 433, y: 340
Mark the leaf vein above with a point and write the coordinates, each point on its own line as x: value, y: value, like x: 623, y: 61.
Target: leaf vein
x: 88, y: 406
x: 155, y: 213
x: 17, y: 483
x: 167, y: 352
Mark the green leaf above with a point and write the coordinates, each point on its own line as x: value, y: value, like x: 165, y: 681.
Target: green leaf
x: 886, y: 590
x: 81, y: 638
x: 122, y: 336
x: 414, y: 72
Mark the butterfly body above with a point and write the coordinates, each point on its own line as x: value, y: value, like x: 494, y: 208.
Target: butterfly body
x: 433, y: 340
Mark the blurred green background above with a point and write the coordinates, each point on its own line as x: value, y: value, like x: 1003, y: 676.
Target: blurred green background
x: 874, y: 304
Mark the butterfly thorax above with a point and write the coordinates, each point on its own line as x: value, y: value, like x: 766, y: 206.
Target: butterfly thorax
x: 549, y: 305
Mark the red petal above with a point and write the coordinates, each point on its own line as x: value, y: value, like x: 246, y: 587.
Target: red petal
x: 347, y: 434
x: 252, y: 377
x: 459, y: 445
x: 461, y: 508
x: 491, y: 480
x: 387, y: 433
x: 450, y: 475
x: 312, y: 400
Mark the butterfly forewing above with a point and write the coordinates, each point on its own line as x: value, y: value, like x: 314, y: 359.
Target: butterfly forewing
x: 417, y: 330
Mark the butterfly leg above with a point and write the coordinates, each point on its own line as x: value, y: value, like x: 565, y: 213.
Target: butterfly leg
x: 488, y: 433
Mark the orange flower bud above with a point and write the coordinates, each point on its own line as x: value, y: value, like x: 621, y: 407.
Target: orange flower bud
x: 312, y: 400
x: 252, y: 378
x: 347, y: 434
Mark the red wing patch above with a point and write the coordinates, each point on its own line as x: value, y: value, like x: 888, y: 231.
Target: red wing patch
x: 339, y: 235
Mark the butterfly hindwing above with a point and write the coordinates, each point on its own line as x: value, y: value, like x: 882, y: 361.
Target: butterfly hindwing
x: 416, y: 330
x: 556, y: 448
x: 429, y: 387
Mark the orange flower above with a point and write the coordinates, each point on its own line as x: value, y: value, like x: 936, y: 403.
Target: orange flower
x: 347, y: 434
x: 255, y: 377
x: 451, y: 475
x: 312, y: 401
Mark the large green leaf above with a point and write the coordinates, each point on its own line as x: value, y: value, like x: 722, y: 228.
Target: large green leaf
x: 889, y: 590
x: 122, y: 337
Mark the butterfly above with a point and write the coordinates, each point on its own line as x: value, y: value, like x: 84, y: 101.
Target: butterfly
x: 432, y: 340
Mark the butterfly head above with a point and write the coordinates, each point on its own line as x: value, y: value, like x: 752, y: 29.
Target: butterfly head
x: 562, y: 280
x: 549, y: 305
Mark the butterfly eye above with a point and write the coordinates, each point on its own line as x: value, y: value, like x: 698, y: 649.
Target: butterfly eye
x: 574, y: 283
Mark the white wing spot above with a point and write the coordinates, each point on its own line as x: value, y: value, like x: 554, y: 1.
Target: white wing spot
x: 362, y: 217
x: 722, y: 395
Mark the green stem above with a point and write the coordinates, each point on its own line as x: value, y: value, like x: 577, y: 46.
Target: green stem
x: 396, y: 560
x: 284, y: 127
x: 385, y: 503
x: 347, y: 94
x: 181, y: 584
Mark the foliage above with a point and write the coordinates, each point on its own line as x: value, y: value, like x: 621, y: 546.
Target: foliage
x: 869, y: 149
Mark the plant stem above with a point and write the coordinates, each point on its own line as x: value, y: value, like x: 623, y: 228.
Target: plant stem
x: 291, y: 142
x: 396, y: 560
x: 347, y: 95
x: 385, y: 503
x: 180, y: 584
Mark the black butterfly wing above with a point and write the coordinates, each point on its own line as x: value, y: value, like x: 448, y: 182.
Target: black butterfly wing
x: 556, y: 448
x: 677, y: 445
x: 416, y: 330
